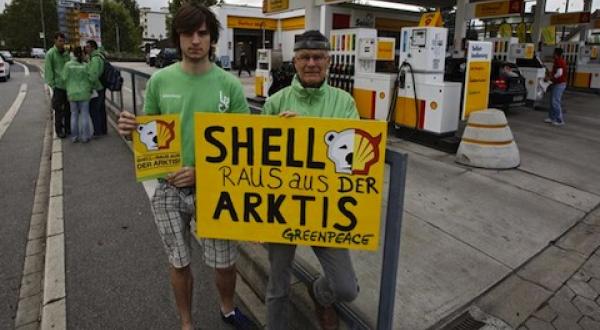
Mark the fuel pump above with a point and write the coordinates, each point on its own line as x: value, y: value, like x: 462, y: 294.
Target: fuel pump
x: 266, y: 59
x: 424, y: 101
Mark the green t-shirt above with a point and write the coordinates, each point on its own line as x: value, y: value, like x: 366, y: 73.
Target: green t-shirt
x: 325, y: 101
x: 78, y: 82
x: 172, y: 91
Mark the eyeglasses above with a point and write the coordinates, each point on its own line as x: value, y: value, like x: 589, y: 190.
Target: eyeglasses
x: 317, y: 58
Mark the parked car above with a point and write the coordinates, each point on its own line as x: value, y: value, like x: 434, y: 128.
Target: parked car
x: 4, y: 70
x: 166, y: 56
x: 507, y: 85
x: 38, y: 53
x: 7, y: 56
x: 151, y: 56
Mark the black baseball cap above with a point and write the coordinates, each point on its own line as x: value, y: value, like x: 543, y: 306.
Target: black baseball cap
x: 312, y: 39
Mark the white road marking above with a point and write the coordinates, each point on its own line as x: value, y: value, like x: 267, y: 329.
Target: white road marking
x: 25, y: 68
x: 12, y: 112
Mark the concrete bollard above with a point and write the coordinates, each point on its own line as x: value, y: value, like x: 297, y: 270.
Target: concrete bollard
x: 487, y: 142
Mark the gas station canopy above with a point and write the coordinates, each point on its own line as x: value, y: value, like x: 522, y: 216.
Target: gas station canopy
x: 426, y: 3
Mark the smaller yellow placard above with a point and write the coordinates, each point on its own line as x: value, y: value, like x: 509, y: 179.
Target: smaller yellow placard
x: 431, y: 19
x: 549, y: 35
x: 385, y: 50
x: 156, y: 146
x: 270, y: 6
x: 570, y: 18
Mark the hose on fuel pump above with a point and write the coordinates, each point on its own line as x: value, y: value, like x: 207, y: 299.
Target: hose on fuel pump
x: 400, y: 81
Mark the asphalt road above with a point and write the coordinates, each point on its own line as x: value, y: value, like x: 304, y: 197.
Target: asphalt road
x: 20, y: 152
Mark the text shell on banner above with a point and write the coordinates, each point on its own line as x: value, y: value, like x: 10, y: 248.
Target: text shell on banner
x: 305, y: 181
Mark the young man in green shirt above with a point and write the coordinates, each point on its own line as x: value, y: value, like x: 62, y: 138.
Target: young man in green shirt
x: 310, y: 96
x: 193, y: 85
x: 54, y: 63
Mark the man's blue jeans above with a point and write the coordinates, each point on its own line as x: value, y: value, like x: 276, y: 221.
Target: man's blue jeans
x: 555, y: 107
x: 81, y: 124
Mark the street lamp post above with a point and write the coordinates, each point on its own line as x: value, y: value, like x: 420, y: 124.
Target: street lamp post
x: 43, y: 24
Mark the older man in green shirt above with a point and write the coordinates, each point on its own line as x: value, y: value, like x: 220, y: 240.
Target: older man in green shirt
x: 54, y: 63
x: 310, y: 96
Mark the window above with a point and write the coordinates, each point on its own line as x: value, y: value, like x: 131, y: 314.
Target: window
x: 560, y: 6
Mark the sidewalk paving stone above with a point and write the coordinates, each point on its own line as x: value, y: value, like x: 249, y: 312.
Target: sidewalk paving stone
x: 545, y: 313
x: 537, y: 324
x: 582, y: 288
x: 587, y: 307
x: 552, y: 267
x: 589, y: 324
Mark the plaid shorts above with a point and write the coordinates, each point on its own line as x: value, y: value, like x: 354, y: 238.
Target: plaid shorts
x: 174, y: 209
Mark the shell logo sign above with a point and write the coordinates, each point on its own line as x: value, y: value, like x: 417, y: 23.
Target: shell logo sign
x: 353, y: 151
x: 157, y: 146
x: 290, y: 180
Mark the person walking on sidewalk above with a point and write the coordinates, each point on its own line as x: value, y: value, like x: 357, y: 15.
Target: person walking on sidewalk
x: 193, y: 85
x: 559, y: 84
x: 97, y: 104
x: 54, y: 64
x: 310, y: 96
x: 79, y: 92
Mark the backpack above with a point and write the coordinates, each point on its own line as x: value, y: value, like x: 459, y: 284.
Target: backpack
x: 111, y: 77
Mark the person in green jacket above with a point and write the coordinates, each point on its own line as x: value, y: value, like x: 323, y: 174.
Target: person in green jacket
x: 79, y: 92
x: 55, y: 61
x: 310, y: 96
x: 97, y: 105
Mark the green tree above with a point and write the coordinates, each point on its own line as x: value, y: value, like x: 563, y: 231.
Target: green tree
x: 115, y: 17
x: 174, y: 6
x: 21, y: 24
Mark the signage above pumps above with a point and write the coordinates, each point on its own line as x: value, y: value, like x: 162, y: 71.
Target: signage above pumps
x: 570, y: 18
x: 502, y: 8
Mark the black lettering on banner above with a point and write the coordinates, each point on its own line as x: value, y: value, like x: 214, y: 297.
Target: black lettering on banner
x: 251, y: 202
x: 225, y: 204
x: 307, y: 235
x: 226, y: 172
x: 267, y: 147
x: 310, y: 162
x: 323, y: 180
x: 208, y: 135
x: 273, y: 175
x: 273, y: 209
x: 247, y: 175
x: 345, y: 184
x: 289, y: 158
x: 236, y: 145
x: 325, y: 211
x: 371, y: 185
x: 303, y: 200
x: 342, y: 207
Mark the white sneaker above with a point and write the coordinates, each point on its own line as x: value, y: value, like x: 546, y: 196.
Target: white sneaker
x: 558, y: 123
x: 548, y: 121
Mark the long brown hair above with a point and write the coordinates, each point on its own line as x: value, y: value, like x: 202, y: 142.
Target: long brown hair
x: 78, y: 52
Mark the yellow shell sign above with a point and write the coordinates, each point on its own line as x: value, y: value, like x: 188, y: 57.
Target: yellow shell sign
x: 156, y: 146
x: 303, y: 181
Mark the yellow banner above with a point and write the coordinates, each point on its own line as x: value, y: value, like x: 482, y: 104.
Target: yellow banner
x: 156, y: 146
x: 251, y: 23
x: 295, y: 181
x: 570, y: 18
x: 270, y: 6
x: 385, y: 50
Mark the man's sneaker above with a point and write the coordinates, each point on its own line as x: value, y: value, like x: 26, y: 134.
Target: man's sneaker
x: 558, y: 123
x: 326, y: 315
x: 239, y: 320
x: 548, y: 121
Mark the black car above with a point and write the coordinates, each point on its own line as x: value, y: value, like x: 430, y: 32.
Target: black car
x: 507, y: 85
x: 166, y: 56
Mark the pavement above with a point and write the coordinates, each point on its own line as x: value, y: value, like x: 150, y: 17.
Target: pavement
x: 519, y: 247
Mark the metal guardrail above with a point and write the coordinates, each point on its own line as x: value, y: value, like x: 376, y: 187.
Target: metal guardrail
x: 393, y: 222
